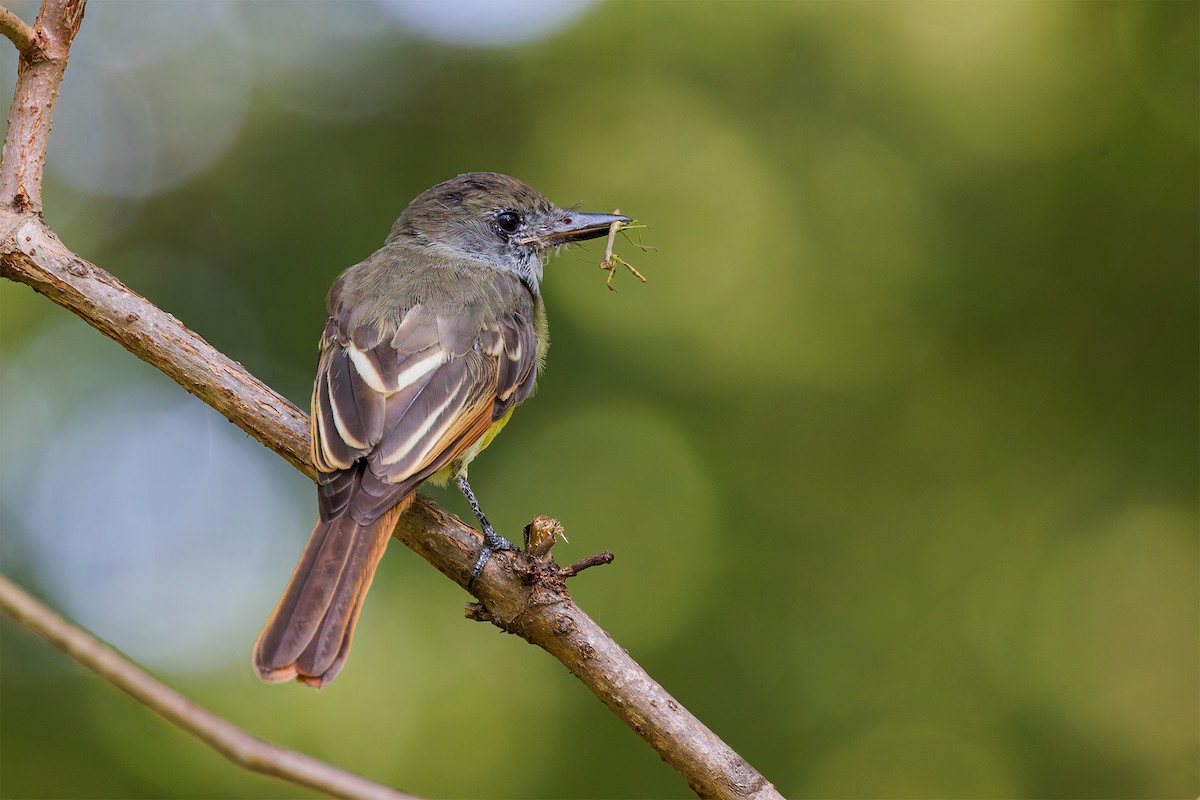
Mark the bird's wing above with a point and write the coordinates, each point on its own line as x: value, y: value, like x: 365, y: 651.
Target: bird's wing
x: 411, y: 402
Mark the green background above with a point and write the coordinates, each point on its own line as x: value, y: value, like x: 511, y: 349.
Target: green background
x: 896, y: 449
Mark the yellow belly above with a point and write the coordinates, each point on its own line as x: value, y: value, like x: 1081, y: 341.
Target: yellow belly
x: 459, y: 465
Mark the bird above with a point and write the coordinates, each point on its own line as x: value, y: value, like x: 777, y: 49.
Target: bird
x: 430, y: 344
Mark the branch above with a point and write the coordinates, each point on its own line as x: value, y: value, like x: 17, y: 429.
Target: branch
x: 226, y: 738
x: 18, y: 32
x: 518, y: 594
x: 30, y: 253
x: 539, y: 611
x: 39, y: 74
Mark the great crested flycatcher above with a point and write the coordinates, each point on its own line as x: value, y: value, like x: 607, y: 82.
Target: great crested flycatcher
x: 430, y: 344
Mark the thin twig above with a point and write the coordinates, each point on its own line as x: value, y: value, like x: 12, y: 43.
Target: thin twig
x: 226, y: 738
x: 586, y: 563
x: 18, y: 33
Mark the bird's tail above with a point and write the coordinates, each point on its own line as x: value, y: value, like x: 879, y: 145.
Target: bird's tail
x: 307, y: 636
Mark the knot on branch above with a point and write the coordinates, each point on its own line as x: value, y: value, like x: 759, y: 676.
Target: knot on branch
x: 535, y: 568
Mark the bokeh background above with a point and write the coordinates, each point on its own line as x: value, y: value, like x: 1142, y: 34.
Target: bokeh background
x: 897, y: 448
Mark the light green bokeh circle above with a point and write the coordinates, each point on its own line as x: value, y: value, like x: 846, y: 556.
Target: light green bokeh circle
x: 623, y: 478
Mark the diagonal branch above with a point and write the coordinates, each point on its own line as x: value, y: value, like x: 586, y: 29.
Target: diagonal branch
x: 515, y: 592
x: 20, y: 34
x: 226, y: 738
x: 30, y: 253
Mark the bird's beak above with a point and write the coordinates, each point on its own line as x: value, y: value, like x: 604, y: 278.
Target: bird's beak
x: 574, y: 226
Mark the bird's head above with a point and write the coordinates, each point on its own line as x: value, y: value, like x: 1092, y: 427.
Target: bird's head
x: 497, y: 219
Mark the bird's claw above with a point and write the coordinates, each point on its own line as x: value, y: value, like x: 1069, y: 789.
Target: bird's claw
x: 492, y: 541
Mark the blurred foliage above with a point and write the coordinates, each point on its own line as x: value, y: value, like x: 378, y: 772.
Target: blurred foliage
x: 897, y: 448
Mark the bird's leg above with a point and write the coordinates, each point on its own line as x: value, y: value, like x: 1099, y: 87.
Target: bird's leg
x: 491, y: 539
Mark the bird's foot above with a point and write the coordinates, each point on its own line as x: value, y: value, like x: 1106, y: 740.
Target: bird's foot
x: 492, y: 541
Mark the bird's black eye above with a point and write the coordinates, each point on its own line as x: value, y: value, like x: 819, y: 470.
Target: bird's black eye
x: 508, y: 221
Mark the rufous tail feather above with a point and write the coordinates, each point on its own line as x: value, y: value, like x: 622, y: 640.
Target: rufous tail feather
x: 307, y: 636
